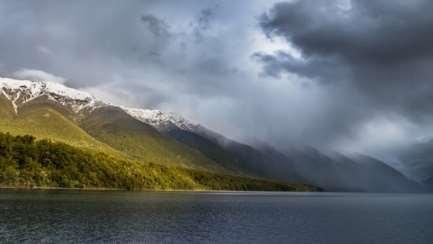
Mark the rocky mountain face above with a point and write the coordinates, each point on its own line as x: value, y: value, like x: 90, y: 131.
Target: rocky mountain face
x: 166, y: 137
x: 20, y: 92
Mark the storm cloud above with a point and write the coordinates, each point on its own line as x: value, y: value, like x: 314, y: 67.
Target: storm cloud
x: 344, y: 75
x: 381, y: 50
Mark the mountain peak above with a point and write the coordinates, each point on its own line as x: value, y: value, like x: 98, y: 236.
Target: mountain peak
x: 160, y: 119
x: 20, y: 92
x: 23, y: 91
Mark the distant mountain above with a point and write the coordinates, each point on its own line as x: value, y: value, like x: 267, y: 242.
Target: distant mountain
x: 337, y: 172
x: 370, y: 174
x: 50, y: 110
x: 418, y: 161
x: 428, y: 183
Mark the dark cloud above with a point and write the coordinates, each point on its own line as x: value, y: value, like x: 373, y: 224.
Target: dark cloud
x: 379, y: 33
x: 325, y: 69
x: 205, y: 18
x: 382, y: 48
x: 158, y: 27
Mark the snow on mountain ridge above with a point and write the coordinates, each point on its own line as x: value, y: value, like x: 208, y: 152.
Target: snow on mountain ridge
x: 160, y: 119
x: 23, y: 91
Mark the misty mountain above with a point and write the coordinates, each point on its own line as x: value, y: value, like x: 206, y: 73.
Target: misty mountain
x: 429, y: 183
x: 54, y: 111
x: 233, y: 155
x: 337, y: 172
x: 330, y: 171
x: 418, y: 161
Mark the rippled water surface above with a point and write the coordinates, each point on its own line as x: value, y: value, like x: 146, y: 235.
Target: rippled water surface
x: 37, y: 216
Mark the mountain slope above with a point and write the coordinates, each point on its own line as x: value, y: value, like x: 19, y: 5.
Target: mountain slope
x: 44, y: 120
x: 141, y: 141
x: 25, y: 162
x: 332, y: 172
x: 210, y: 149
x: 104, y: 146
x: 228, y: 153
x: 337, y: 172
x: 53, y: 111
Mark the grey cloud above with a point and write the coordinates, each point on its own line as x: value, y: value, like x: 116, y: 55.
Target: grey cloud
x: 37, y: 75
x: 141, y: 46
x: 379, y: 33
x: 199, y: 58
x: 325, y: 69
x: 156, y: 26
x: 205, y: 18
x: 382, y: 48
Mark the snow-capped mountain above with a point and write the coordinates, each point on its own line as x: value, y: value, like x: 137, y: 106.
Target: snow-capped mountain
x: 161, y: 120
x: 167, y: 123
x: 20, y: 92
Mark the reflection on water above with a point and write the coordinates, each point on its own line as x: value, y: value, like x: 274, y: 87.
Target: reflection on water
x: 215, y: 217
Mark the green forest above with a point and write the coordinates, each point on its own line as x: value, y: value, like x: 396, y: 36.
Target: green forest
x: 27, y: 162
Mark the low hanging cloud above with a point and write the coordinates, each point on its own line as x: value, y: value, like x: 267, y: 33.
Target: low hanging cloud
x: 37, y: 75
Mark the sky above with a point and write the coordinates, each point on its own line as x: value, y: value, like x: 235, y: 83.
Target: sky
x: 345, y: 75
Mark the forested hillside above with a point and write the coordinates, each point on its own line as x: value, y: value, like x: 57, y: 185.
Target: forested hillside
x: 27, y: 162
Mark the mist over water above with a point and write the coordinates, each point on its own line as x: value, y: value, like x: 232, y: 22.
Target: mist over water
x: 227, y: 217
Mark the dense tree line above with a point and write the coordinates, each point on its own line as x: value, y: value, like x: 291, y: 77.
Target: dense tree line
x: 27, y: 162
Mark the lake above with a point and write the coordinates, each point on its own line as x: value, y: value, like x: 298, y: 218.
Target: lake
x: 221, y: 217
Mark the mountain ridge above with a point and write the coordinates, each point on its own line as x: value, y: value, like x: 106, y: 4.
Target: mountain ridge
x: 167, y: 138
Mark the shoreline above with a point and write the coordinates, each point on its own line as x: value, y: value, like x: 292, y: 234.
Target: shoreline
x: 104, y: 189
x: 59, y: 188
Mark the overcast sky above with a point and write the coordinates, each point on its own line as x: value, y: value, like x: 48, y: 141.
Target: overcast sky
x: 352, y: 76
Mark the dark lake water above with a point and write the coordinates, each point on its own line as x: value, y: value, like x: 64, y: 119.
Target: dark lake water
x: 215, y: 217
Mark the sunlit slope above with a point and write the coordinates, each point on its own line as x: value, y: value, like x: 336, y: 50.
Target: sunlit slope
x: 107, y: 129
x: 92, y: 144
x: 141, y: 141
x: 6, y: 109
x: 26, y: 162
x: 46, y: 121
